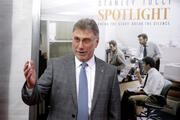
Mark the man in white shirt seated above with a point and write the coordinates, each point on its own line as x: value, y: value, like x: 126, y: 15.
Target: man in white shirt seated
x: 152, y: 84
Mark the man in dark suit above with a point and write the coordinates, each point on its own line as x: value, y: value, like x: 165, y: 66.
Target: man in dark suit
x: 80, y: 86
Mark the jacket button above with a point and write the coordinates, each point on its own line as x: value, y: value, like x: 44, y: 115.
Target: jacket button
x: 73, y: 116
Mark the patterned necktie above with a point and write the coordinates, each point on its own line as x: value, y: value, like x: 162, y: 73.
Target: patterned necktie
x: 145, y: 51
x: 83, y: 94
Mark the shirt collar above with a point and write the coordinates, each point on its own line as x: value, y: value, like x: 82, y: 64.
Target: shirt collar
x: 147, y: 44
x: 150, y: 70
x: 90, y: 62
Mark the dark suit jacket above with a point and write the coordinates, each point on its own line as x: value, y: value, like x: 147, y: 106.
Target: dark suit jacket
x: 59, y: 83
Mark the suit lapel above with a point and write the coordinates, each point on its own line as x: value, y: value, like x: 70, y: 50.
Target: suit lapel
x: 99, y: 74
x: 72, y: 78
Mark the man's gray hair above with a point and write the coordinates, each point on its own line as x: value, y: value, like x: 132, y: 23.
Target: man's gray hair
x: 113, y: 42
x: 87, y: 24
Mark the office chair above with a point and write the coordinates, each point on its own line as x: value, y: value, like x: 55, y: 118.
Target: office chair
x: 150, y: 113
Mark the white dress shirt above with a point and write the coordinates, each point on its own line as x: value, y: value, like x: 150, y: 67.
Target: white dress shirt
x: 151, y: 48
x: 155, y: 82
x: 90, y: 73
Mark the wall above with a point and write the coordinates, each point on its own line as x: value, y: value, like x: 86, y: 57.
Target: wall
x: 5, y: 55
x: 15, y: 47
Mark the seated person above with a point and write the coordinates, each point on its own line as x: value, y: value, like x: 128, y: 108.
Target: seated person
x: 152, y: 84
x: 116, y: 56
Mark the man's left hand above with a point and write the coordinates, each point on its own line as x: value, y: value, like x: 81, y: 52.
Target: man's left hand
x: 155, y: 59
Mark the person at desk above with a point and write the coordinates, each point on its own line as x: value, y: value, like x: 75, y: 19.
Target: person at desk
x: 116, y: 56
x: 80, y: 86
x: 147, y: 48
x: 152, y: 84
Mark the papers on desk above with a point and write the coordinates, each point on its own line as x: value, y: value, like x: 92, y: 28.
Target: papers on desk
x: 123, y: 73
x: 135, y: 89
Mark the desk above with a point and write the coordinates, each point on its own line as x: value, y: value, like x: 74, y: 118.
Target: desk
x: 130, y: 84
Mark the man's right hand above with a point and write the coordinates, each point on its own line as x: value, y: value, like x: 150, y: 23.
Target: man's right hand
x: 30, y: 74
x: 137, y: 72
